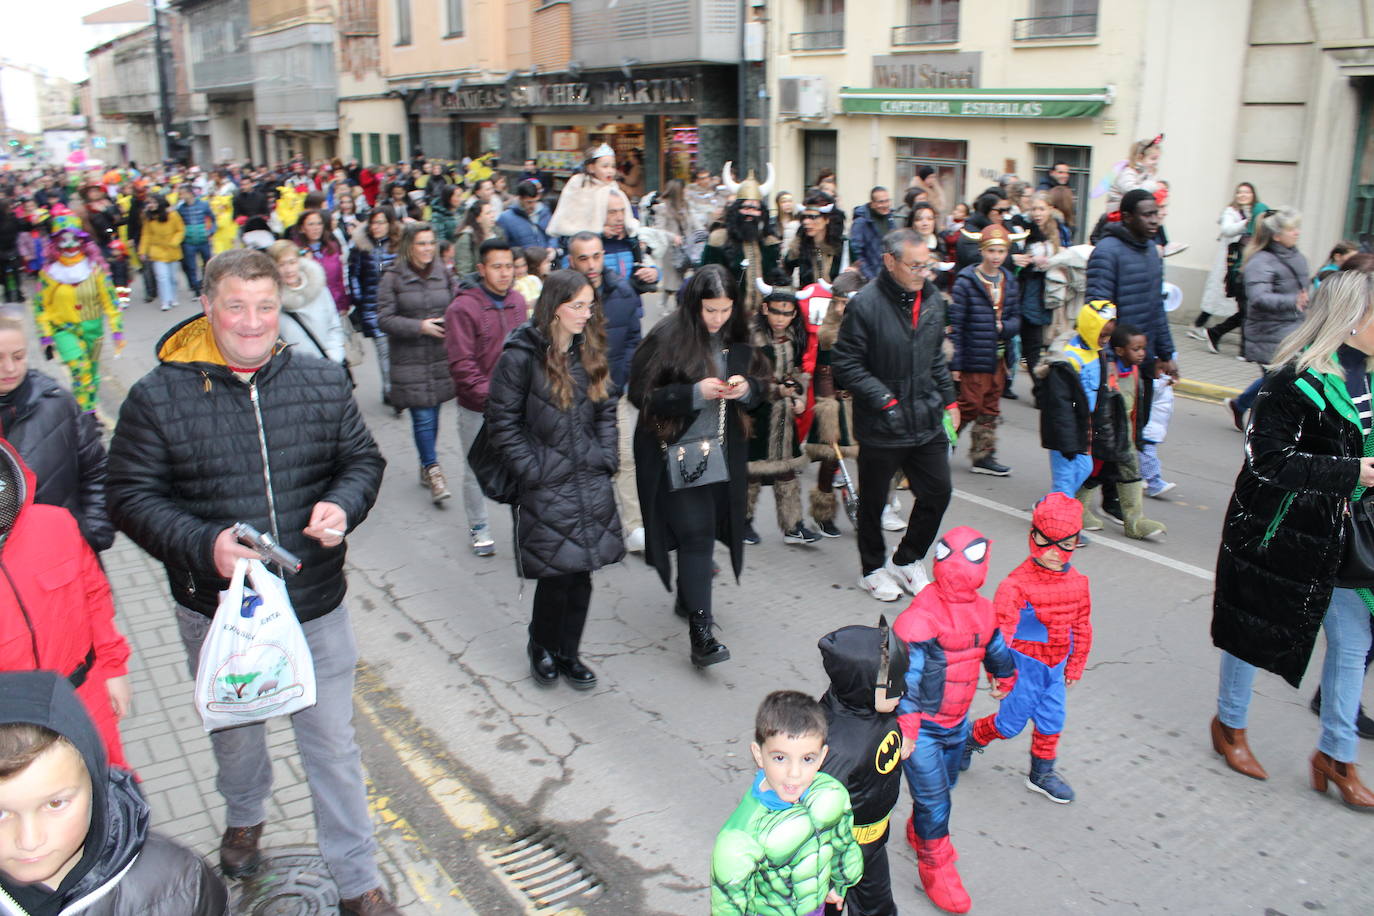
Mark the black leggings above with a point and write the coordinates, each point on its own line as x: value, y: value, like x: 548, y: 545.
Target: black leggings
x: 560, y: 612
x: 693, y: 516
x: 1032, y: 343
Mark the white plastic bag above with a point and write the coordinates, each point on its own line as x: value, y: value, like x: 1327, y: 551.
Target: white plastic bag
x: 255, y: 662
x: 1161, y: 410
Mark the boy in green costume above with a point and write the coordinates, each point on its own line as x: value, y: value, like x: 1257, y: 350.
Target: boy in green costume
x: 789, y: 848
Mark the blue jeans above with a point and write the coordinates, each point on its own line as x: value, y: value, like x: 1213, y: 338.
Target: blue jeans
x: 1233, y: 694
x: 931, y: 772
x: 424, y: 423
x: 1347, y: 643
x: 1247, y: 397
x: 166, y: 274
x: 1067, y: 475
x: 189, y: 252
x: 329, y: 753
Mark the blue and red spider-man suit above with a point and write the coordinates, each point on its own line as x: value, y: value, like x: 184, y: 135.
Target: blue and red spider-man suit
x: 1046, y: 615
x: 951, y: 632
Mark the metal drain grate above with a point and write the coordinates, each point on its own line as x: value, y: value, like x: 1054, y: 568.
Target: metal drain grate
x: 540, y: 867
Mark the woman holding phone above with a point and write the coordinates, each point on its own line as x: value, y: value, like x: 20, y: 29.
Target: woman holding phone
x: 414, y: 292
x: 694, y: 378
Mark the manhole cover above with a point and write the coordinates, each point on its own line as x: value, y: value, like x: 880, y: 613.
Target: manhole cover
x: 290, y: 882
x: 541, y: 868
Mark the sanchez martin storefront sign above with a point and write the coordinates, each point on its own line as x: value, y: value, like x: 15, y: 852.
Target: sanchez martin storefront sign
x: 521, y: 96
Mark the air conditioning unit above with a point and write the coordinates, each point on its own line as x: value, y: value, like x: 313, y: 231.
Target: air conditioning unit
x: 801, y: 96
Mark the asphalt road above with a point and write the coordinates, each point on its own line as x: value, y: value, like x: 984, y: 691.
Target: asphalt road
x: 635, y: 777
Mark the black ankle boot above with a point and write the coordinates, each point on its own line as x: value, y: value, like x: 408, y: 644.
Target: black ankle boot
x: 542, y: 665
x: 577, y: 674
x: 706, y: 649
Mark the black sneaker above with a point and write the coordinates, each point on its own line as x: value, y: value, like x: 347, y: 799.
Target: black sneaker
x: 990, y: 466
x: 751, y: 536
x: 1211, y: 340
x: 800, y: 534
x: 828, y: 529
x: 1111, y: 507
x: 1010, y: 395
x: 1237, y: 415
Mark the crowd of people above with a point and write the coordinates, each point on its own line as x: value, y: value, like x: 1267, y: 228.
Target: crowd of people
x: 794, y: 335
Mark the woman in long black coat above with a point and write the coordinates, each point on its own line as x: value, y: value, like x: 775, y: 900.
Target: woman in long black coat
x: 694, y: 364
x: 1280, y: 569
x: 551, y: 415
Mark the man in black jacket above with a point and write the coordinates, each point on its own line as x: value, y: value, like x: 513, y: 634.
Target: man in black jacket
x: 231, y: 428
x: 889, y: 357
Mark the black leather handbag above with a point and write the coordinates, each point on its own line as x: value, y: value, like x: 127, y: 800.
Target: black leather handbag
x: 698, y: 462
x: 1357, y: 565
x: 495, y: 478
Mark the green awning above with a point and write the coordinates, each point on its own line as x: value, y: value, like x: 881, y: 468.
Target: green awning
x: 977, y: 103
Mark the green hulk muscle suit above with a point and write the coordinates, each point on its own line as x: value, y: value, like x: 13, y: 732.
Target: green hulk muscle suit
x: 776, y: 859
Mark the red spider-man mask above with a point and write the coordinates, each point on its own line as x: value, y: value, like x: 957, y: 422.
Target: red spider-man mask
x: 960, y: 565
x: 1055, y: 525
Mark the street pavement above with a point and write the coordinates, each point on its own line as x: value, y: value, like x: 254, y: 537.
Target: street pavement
x: 626, y: 785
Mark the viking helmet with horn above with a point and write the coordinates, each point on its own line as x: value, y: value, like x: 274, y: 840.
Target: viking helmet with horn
x: 749, y: 189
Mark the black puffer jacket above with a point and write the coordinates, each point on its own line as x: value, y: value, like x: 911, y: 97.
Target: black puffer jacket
x: 419, y: 363
x: 1282, y: 541
x: 565, y: 516
x: 880, y: 356
x: 367, y: 260
x: 124, y: 870
x: 62, y: 445
x: 187, y: 461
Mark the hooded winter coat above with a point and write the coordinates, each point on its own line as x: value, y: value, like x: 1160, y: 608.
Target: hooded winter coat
x: 1273, y: 278
x: 198, y: 449
x: 880, y: 357
x: 563, y: 460
x: 309, y: 319
x: 61, y: 443
x: 368, y: 259
x: 1283, y: 540
x: 419, y: 363
x: 973, y: 321
x: 124, y: 870
x: 55, y: 607
x: 1080, y: 413
x: 1129, y: 272
x: 624, y: 312
x: 865, y: 745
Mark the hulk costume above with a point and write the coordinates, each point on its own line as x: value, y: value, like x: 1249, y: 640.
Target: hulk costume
x: 776, y: 859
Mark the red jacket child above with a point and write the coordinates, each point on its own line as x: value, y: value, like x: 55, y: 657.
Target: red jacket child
x: 56, y: 612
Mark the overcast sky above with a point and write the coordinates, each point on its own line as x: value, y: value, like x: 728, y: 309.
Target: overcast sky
x: 49, y: 34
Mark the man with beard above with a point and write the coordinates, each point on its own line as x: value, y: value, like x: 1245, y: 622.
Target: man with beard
x: 744, y: 246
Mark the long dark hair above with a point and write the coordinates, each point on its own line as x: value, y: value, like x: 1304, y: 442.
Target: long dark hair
x: 159, y: 207
x: 328, y: 243
x: 834, y: 221
x: 560, y: 287
x: 685, y: 353
x: 796, y: 329
x: 479, y: 235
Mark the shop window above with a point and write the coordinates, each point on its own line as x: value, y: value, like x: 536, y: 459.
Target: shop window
x: 928, y: 21
x: 1079, y: 159
x: 402, y: 22
x: 818, y: 152
x: 1058, y: 19
x: 822, y: 26
x: 453, y: 12
x: 393, y: 147
x: 358, y: 147
x: 374, y: 147
x: 949, y: 157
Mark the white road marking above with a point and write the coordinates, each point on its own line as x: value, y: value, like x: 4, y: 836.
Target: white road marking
x: 1195, y: 571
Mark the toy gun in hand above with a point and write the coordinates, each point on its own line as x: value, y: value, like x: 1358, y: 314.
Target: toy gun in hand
x: 267, y: 547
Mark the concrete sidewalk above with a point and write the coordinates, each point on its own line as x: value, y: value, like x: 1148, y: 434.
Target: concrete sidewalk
x: 165, y: 742
x: 1207, y: 375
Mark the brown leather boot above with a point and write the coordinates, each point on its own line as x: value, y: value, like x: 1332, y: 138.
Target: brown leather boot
x: 1354, y: 793
x: 238, y: 851
x: 438, y: 486
x: 1230, y: 743
x: 373, y: 903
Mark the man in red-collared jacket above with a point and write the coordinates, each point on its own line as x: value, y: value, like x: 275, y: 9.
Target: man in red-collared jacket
x: 56, y: 612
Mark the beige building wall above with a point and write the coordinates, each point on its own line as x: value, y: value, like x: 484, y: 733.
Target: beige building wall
x: 1168, y: 75
x: 483, y: 46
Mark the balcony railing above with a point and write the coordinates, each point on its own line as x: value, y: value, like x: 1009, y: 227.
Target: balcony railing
x: 815, y: 41
x: 1078, y: 25
x: 927, y: 33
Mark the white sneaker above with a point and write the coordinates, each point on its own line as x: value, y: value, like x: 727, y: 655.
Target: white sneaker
x: 634, y: 541
x: 1197, y: 333
x: 880, y: 585
x: 166, y: 307
x: 911, y: 577
x: 891, y: 520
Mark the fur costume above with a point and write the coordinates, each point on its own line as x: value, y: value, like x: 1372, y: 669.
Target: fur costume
x: 775, y: 455
x: 582, y: 207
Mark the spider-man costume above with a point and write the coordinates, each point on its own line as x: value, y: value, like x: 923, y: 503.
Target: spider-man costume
x: 950, y: 631
x: 1045, y: 613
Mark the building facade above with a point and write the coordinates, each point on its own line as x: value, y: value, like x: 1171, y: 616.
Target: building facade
x: 220, y: 69
x: 657, y: 80
x: 295, y: 78
x: 124, y: 94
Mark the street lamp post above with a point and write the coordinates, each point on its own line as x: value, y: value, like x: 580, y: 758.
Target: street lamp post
x: 164, y: 96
